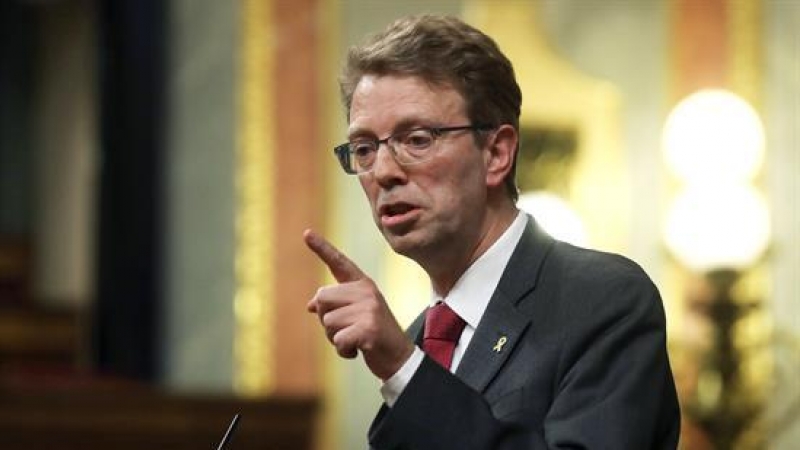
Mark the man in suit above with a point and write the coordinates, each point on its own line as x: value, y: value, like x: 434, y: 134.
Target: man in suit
x: 529, y: 343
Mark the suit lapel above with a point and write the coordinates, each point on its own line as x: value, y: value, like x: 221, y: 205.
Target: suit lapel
x: 497, y: 334
x: 503, y: 325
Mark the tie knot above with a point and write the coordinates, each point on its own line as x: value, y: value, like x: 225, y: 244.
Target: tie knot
x: 443, y: 323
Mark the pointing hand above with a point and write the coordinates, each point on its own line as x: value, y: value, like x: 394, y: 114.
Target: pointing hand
x: 354, y: 313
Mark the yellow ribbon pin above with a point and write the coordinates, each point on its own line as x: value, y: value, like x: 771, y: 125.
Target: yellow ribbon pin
x: 500, y: 343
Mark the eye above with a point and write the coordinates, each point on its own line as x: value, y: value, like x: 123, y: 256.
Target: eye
x: 362, y: 149
x: 416, y: 139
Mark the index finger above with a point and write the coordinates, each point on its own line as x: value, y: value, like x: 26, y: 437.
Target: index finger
x: 341, y: 267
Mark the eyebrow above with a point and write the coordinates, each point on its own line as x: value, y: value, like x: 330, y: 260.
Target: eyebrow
x: 403, y: 125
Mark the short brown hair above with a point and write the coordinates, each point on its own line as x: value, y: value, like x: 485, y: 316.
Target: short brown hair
x: 445, y: 51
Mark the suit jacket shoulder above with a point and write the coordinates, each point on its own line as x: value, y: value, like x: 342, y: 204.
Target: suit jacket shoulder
x: 583, y: 363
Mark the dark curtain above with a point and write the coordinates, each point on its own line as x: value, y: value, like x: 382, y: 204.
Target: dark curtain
x: 18, y: 30
x: 127, y: 311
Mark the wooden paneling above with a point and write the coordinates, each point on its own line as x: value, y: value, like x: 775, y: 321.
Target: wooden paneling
x: 300, y: 158
x: 31, y: 336
x: 125, y: 417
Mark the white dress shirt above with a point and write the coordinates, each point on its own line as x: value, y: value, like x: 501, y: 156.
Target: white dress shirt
x: 468, y: 298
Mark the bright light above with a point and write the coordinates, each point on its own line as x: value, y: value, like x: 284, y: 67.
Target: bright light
x: 715, y: 226
x: 714, y: 135
x: 554, y: 215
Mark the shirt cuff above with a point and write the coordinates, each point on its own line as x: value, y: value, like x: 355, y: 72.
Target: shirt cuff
x: 394, y: 386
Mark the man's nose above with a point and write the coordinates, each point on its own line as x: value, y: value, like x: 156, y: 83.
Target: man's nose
x: 386, y: 169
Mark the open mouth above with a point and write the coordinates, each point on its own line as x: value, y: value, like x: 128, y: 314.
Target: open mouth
x: 396, y: 209
x: 397, y: 213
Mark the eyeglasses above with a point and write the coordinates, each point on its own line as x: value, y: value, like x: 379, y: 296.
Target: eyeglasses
x: 408, y: 147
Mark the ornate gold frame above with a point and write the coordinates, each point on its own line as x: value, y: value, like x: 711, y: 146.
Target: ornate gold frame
x: 254, y: 297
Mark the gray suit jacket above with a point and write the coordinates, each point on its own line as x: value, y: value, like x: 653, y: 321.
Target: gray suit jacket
x: 584, y: 364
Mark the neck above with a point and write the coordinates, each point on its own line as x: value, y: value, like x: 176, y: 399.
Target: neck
x: 448, y: 267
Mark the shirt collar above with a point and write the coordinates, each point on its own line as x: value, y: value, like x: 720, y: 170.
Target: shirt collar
x: 472, y: 292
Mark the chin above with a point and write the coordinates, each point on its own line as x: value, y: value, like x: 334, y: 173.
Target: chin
x: 401, y: 243
x: 412, y: 245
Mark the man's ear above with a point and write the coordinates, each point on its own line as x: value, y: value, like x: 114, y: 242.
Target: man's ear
x: 500, y: 153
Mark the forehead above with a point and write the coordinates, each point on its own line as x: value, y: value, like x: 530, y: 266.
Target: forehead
x: 381, y: 103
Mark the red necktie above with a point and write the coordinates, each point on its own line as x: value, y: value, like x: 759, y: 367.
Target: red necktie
x: 442, y: 329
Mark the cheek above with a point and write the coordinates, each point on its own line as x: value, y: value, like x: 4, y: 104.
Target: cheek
x: 469, y: 191
x: 457, y: 191
x: 462, y: 181
x: 370, y: 188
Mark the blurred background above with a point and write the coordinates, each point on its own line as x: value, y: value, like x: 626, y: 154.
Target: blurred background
x: 159, y: 161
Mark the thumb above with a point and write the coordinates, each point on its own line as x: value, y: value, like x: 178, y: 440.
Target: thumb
x: 341, y: 267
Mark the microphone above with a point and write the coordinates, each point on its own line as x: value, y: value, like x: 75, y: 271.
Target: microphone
x: 228, y: 433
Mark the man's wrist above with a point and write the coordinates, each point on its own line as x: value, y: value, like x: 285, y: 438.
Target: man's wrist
x: 394, y: 385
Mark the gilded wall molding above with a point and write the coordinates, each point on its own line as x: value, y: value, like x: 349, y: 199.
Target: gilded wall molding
x: 744, y: 49
x: 254, y: 298
x: 562, y: 98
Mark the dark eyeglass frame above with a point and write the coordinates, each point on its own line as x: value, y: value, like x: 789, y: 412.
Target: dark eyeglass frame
x: 344, y: 151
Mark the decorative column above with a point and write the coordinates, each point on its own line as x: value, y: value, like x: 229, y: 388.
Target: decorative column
x: 280, y: 193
